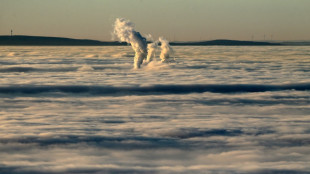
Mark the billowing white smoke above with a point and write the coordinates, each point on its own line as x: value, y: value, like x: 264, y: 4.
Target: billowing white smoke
x: 124, y: 30
x: 166, y: 50
x: 151, y: 48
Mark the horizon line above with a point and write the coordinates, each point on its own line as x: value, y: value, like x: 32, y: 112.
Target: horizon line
x: 169, y: 40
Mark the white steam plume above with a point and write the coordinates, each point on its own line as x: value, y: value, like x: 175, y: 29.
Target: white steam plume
x: 166, y: 50
x: 151, y: 48
x: 124, y: 30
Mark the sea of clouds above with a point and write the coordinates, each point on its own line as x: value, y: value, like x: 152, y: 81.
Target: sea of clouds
x: 213, y: 110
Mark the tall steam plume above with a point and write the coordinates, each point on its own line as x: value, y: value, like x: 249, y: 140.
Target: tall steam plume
x: 124, y: 30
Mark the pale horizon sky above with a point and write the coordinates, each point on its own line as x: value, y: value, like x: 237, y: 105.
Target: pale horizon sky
x: 181, y: 20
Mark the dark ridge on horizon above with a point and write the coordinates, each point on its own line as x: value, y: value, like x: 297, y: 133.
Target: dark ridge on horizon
x: 225, y: 42
x: 24, y: 40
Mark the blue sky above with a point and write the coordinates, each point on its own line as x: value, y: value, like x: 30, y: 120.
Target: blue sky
x: 174, y: 19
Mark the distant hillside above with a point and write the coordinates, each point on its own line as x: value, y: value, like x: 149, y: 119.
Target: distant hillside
x: 52, y: 41
x: 226, y: 43
x: 296, y: 43
x: 21, y: 40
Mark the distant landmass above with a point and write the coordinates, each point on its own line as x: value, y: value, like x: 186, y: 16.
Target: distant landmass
x: 21, y: 40
x: 225, y: 42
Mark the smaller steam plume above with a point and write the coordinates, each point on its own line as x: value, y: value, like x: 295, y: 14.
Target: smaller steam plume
x: 124, y: 30
x: 151, y: 48
x: 166, y: 50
